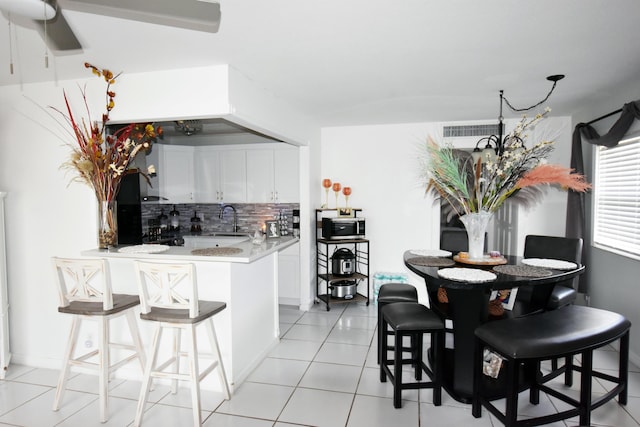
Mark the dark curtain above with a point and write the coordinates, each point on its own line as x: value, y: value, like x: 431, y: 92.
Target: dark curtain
x: 575, y: 201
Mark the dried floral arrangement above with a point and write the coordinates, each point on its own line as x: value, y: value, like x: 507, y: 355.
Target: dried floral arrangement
x: 98, y: 158
x: 517, y: 172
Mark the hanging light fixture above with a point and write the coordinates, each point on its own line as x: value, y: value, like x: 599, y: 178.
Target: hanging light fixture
x: 188, y: 127
x: 494, y: 144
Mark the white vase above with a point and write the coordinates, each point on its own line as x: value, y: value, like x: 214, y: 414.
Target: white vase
x: 476, y: 225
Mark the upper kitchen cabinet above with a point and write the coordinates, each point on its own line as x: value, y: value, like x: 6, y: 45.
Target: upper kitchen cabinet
x: 273, y: 175
x: 175, y: 172
x: 220, y: 175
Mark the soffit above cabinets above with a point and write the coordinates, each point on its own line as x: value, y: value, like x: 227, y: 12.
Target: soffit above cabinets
x: 215, y: 131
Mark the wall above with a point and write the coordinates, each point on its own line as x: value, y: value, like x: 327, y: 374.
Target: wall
x: 613, y: 279
x: 47, y: 216
x: 381, y: 165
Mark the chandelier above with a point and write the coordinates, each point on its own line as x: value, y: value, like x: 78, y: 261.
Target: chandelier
x: 188, y: 127
x: 494, y: 144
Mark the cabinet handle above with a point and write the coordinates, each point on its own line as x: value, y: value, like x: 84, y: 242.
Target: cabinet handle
x: 275, y: 198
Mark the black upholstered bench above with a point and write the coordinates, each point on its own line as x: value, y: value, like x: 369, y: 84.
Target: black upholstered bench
x: 526, y: 341
x: 413, y: 320
x: 390, y: 293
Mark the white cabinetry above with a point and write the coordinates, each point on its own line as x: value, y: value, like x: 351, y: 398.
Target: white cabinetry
x: 273, y: 176
x: 5, y: 356
x: 289, y: 275
x: 220, y: 175
x: 176, y: 173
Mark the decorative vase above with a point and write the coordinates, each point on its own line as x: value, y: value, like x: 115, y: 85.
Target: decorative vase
x: 476, y: 225
x: 107, y: 225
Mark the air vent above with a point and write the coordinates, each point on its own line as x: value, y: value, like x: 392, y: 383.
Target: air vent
x: 470, y: 130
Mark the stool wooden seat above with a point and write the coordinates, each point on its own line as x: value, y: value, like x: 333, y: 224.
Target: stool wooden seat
x: 390, y: 293
x: 414, y: 320
x: 526, y: 341
x: 169, y: 297
x: 85, y: 292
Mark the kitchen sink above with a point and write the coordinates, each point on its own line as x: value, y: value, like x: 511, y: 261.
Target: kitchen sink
x: 214, y: 241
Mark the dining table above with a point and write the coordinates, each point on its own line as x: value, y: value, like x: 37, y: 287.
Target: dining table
x: 466, y: 304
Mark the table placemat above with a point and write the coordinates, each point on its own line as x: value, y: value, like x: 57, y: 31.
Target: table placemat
x: 431, y: 252
x: 431, y: 261
x: 522, y: 270
x: 469, y: 275
x: 144, y: 249
x: 556, y: 264
x: 216, y: 251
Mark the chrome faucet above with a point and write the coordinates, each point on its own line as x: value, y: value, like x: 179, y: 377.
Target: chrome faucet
x: 235, y: 216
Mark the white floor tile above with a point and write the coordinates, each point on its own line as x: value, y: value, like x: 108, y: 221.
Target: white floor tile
x: 40, y: 376
x: 308, y: 332
x: 296, y: 349
x: 370, y: 385
x: 284, y: 327
x: 345, y: 354
x: 13, y: 394
x: 319, y: 318
x: 290, y: 316
x: 349, y: 321
x: 168, y: 416
x: 223, y: 420
x: 369, y: 411
x: 317, y: 408
x: 279, y: 371
x: 328, y: 376
x: 445, y: 416
x: 37, y: 412
x: 361, y: 309
x: 257, y: 400
x: 122, y: 412
x: 90, y: 383
x: 131, y: 390
x: 351, y: 336
x: 209, y: 400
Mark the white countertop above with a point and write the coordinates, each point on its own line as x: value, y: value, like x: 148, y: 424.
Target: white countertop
x: 250, y: 252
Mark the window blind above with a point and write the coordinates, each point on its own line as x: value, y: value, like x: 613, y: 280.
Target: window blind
x: 617, y: 198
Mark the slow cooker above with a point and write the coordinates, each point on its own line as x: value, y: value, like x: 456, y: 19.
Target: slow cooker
x: 344, y: 289
x: 343, y: 262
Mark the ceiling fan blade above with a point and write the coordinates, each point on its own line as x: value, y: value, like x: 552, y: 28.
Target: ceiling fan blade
x: 59, y: 35
x: 199, y: 15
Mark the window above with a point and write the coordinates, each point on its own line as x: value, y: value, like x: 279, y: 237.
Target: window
x: 617, y: 198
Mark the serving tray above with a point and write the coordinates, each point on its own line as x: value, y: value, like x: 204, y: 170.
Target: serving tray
x: 487, y: 260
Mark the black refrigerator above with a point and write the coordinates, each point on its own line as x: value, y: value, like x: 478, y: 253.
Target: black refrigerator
x: 129, y: 210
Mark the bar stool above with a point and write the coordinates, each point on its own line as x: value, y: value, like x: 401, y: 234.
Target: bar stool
x: 84, y: 287
x: 526, y: 341
x: 414, y: 320
x: 169, y: 297
x: 390, y: 293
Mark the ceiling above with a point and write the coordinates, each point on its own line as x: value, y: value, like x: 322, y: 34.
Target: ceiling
x: 371, y: 61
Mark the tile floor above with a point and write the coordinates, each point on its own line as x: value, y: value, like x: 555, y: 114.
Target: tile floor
x: 323, y: 373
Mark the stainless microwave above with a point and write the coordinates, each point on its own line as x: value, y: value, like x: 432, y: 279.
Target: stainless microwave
x: 343, y: 228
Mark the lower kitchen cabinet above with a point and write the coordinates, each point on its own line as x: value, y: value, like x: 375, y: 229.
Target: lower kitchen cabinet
x: 289, y: 275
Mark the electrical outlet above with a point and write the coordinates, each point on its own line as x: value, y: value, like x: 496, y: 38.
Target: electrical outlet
x: 88, y: 342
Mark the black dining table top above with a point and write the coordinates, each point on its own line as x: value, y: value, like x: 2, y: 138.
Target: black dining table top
x: 502, y: 281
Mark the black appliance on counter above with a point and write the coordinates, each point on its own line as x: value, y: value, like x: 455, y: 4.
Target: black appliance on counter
x: 343, y: 262
x: 129, y: 210
x: 343, y: 228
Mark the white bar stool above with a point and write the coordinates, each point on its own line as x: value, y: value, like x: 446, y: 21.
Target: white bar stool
x: 84, y: 287
x: 169, y: 297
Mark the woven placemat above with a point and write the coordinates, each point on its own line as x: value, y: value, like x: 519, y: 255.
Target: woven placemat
x: 522, y: 270
x: 431, y: 261
x: 216, y: 251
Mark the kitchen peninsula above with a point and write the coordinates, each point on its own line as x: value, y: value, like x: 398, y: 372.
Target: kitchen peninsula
x: 238, y: 272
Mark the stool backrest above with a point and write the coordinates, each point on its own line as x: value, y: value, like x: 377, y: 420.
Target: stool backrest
x: 456, y: 240
x: 85, y: 280
x: 552, y: 247
x: 167, y: 286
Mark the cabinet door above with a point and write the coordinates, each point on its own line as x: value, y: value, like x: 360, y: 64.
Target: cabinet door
x: 207, y: 176
x: 176, y: 175
x: 260, y: 184
x: 287, y: 176
x: 233, y: 176
x: 289, y: 275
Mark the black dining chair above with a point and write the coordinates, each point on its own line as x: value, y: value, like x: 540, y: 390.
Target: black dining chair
x: 562, y: 248
x: 455, y: 240
x: 563, y: 293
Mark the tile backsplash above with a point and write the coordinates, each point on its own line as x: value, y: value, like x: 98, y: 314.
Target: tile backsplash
x: 251, y: 216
